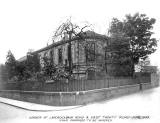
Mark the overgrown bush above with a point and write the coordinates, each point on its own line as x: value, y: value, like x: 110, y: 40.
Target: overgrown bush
x: 51, y: 71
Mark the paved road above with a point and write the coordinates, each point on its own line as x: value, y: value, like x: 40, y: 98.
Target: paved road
x: 144, y: 105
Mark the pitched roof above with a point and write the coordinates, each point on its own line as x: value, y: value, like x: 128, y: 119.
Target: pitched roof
x: 87, y: 34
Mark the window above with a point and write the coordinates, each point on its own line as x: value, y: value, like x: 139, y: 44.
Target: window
x: 90, y: 52
x: 51, y: 55
x: 60, y: 56
x: 69, y: 53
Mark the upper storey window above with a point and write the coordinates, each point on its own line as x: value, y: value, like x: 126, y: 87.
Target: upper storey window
x: 90, y: 52
x: 60, y: 55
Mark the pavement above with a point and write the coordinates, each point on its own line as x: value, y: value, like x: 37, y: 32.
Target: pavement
x: 33, y: 106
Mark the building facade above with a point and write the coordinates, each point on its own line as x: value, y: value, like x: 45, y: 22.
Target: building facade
x: 86, y: 57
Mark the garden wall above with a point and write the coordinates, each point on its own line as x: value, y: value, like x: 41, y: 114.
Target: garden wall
x: 81, y: 97
x: 69, y: 98
x: 73, y: 98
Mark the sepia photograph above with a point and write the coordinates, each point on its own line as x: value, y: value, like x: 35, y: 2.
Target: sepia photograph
x: 79, y: 61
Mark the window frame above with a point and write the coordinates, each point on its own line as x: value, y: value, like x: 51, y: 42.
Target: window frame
x: 90, y: 52
x: 60, y: 57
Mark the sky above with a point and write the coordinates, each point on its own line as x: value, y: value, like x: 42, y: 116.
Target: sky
x: 30, y: 24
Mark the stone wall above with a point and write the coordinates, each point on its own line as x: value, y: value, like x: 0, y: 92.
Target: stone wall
x: 79, y: 97
x: 69, y: 98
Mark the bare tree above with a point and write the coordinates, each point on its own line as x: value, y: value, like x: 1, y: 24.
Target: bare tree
x: 72, y: 31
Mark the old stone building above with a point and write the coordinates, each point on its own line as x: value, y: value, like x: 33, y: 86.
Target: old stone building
x: 87, y: 54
